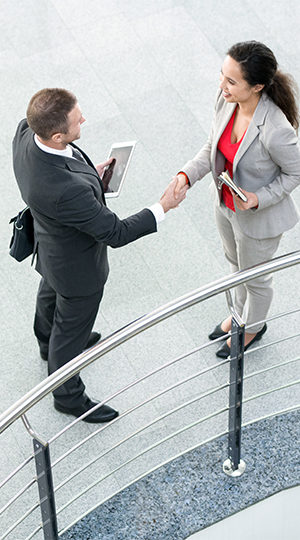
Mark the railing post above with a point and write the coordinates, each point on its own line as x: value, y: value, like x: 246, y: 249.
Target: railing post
x: 46, y: 492
x: 234, y: 466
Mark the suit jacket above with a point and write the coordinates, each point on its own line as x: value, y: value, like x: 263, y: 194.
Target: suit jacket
x: 267, y: 163
x: 72, y: 223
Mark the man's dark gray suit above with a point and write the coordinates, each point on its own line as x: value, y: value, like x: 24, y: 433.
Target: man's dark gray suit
x: 73, y: 228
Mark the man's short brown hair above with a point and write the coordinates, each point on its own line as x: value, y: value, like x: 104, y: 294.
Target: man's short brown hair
x: 48, y: 110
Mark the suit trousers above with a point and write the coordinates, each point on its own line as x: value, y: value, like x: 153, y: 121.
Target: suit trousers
x: 62, y: 326
x: 253, y: 299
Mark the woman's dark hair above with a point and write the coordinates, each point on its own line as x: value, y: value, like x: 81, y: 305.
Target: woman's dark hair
x: 259, y: 66
x: 48, y: 110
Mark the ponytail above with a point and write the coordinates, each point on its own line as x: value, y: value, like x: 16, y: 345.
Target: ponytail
x: 284, y: 92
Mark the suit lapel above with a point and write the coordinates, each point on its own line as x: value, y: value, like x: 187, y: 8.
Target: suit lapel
x: 86, y: 157
x: 253, y: 129
x: 79, y: 166
x: 249, y: 137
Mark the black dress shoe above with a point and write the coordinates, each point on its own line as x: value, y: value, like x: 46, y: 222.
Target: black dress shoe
x: 103, y: 414
x: 224, y: 350
x: 93, y: 339
x: 217, y: 333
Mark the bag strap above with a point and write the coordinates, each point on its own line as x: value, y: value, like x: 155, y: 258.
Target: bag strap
x: 19, y: 216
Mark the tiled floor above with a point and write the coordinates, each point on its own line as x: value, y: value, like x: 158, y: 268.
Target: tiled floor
x: 146, y: 71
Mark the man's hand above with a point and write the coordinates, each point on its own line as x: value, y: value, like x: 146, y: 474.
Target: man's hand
x: 105, y: 172
x: 252, y: 201
x: 171, y: 200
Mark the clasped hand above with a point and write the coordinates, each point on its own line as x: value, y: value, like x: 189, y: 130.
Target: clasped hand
x: 171, y: 198
x: 173, y: 195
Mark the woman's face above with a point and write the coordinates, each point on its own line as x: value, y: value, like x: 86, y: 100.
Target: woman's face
x: 235, y: 88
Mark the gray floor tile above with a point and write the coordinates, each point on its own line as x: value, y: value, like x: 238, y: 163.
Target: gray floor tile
x: 147, y: 72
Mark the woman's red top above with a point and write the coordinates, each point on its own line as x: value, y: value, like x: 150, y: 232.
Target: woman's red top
x: 228, y: 150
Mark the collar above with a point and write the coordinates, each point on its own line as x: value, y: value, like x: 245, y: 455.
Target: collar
x: 67, y: 152
x: 261, y: 110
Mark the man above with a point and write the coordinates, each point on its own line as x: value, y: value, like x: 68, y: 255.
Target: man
x: 73, y: 228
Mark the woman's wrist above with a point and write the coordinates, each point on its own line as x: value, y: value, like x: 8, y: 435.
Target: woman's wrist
x: 185, y: 176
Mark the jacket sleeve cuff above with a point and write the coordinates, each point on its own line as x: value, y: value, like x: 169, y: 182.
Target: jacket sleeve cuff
x: 186, y: 177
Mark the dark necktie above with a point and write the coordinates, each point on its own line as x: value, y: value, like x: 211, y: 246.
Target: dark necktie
x: 78, y: 155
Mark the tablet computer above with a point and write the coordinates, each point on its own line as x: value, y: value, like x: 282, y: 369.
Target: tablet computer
x: 122, y: 153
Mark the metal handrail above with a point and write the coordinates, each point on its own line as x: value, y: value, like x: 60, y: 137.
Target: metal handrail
x: 141, y: 453
x: 140, y: 430
x: 19, y: 521
x: 19, y: 494
x: 274, y: 342
x: 135, y: 408
x: 141, y: 476
x: 18, y: 469
x: 117, y: 338
x: 129, y: 386
x: 270, y: 368
x: 271, y: 391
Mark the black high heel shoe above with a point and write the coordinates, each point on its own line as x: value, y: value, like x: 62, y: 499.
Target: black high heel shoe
x: 224, y: 350
x: 217, y: 333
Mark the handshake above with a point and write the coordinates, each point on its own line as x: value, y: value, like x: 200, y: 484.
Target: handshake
x: 171, y: 198
x: 175, y: 193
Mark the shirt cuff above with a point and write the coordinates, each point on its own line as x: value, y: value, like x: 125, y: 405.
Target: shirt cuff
x: 158, y: 212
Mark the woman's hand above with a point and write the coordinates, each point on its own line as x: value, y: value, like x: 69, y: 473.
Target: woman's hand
x: 180, y: 184
x: 252, y: 201
x: 170, y: 199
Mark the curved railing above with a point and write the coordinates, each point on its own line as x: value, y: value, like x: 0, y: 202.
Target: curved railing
x: 20, y: 408
x: 114, y: 340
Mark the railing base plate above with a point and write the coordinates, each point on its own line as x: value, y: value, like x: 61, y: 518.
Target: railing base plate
x: 227, y: 468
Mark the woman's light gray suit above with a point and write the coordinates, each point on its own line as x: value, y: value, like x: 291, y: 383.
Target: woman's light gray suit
x: 267, y: 163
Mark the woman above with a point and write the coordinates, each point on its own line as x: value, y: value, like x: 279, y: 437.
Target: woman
x: 252, y: 137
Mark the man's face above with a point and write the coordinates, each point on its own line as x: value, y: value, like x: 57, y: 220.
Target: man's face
x: 75, y: 119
